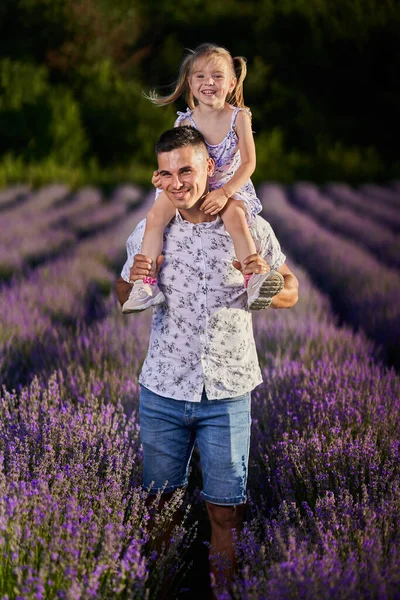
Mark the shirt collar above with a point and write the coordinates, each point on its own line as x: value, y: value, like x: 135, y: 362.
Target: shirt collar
x: 206, y: 224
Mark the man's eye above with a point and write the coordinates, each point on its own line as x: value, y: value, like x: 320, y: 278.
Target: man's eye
x: 186, y: 171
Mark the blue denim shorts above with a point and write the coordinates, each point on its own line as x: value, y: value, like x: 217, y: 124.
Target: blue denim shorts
x: 169, y: 430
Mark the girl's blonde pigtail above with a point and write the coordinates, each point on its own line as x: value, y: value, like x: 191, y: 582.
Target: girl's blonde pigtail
x: 181, y: 87
x: 236, y: 97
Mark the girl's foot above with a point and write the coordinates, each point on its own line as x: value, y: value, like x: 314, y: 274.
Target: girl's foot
x: 262, y: 288
x: 145, y: 293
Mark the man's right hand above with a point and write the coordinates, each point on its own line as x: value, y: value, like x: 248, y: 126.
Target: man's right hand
x: 252, y: 264
x: 142, y: 267
x: 156, y: 180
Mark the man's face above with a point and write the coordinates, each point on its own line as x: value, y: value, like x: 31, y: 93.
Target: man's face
x: 184, y: 175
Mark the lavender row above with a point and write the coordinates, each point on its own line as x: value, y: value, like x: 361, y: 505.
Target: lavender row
x: 32, y: 235
x: 71, y: 467
x: 13, y: 195
x: 343, y: 194
x: 364, y: 292
x: 383, y: 194
x: 384, y: 244
x: 36, y: 311
x: 74, y: 521
x: 34, y: 230
x: 324, y: 462
x: 88, y: 213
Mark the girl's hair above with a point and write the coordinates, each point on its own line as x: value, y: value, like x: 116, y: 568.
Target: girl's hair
x: 237, y: 66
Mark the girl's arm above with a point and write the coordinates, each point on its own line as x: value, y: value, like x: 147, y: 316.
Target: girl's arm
x: 216, y: 200
x: 247, y: 154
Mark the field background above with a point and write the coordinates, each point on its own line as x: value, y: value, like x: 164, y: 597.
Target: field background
x: 76, y: 154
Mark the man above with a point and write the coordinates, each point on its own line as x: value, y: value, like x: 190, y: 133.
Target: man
x: 201, y: 364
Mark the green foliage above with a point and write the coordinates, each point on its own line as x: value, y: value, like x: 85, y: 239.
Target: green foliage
x: 14, y: 170
x: 68, y: 138
x: 329, y: 163
x: 38, y: 120
x: 21, y: 84
x: 72, y: 74
x: 124, y: 125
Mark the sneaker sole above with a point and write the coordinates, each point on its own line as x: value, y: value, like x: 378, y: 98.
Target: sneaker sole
x: 269, y: 288
x: 159, y: 299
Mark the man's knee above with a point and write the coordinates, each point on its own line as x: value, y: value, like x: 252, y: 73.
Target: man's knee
x: 225, y: 517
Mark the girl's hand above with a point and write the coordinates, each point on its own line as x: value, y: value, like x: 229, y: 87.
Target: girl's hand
x: 156, y: 180
x: 214, y: 202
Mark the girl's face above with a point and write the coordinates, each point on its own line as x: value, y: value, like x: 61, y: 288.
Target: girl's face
x: 211, y: 81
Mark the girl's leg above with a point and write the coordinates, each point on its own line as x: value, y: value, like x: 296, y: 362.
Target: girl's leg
x: 234, y: 218
x: 157, y: 219
x: 145, y: 292
x: 261, y: 288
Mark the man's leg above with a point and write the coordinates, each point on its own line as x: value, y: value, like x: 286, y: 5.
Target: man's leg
x: 224, y: 519
x: 223, y: 434
x: 167, y: 447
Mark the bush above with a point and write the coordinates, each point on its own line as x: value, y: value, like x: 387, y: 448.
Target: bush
x: 38, y: 121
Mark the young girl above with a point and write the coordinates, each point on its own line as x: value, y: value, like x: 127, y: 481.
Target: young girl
x: 213, y: 82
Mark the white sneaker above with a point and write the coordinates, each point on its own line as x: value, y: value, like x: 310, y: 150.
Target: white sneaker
x: 262, y: 288
x: 142, y: 296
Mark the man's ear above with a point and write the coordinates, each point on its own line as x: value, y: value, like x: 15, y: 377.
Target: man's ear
x: 210, y: 166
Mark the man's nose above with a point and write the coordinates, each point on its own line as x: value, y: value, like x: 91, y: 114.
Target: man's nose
x: 176, y: 182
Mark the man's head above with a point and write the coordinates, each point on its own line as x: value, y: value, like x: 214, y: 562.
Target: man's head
x: 184, y: 166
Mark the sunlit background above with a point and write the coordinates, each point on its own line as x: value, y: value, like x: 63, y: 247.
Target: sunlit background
x: 322, y: 84
x: 76, y: 155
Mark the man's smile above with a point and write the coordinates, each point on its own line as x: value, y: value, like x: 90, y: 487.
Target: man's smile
x: 180, y: 193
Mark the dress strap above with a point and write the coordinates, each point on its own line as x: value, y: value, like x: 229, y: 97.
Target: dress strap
x: 182, y: 116
x: 236, y: 111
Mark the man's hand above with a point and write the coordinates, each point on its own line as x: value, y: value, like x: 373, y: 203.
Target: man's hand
x: 252, y: 264
x: 142, y: 267
x: 156, y: 180
x: 214, y: 202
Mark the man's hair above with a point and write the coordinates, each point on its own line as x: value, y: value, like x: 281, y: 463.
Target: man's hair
x: 180, y: 137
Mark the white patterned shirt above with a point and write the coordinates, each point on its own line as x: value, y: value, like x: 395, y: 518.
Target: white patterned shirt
x: 202, y: 336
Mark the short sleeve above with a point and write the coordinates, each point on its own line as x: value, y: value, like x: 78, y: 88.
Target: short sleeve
x: 267, y: 244
x: 133, y: 247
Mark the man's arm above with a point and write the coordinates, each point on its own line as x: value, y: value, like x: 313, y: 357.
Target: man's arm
x: 289, y: 295
x: 122, y: 289
x: 270, y: 257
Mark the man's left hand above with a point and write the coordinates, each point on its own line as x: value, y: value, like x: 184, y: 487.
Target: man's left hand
x: 142, y: 267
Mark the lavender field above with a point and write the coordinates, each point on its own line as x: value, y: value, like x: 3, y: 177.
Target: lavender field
x: 323, y: 518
